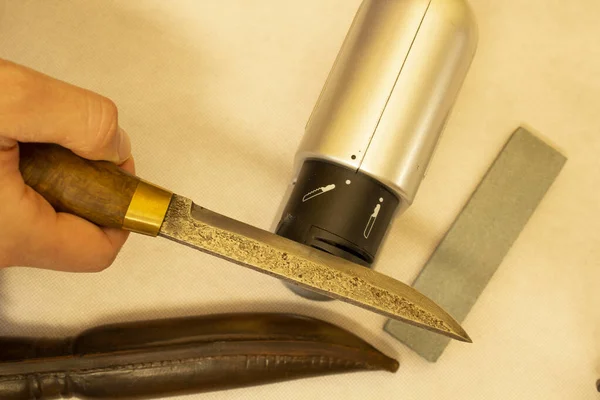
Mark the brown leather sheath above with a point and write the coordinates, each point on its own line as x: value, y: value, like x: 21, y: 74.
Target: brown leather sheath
x: 153, y: 359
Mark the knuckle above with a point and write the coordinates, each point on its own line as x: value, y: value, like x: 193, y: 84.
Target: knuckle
x: 102, y: 121
x: 109, y: 108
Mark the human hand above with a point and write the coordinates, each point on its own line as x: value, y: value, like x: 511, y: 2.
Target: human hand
x: 37, y: 108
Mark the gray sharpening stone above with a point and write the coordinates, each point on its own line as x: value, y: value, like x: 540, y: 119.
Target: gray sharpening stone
x: 467, y: 257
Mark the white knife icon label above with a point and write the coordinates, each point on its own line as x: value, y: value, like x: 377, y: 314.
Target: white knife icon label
x: 371, y: 221
x: 317, y: 192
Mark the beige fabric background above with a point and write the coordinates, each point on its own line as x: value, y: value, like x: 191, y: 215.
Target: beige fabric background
x: 215, y: 95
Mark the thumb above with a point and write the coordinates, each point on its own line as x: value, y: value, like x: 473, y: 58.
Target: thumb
x: 37, y: 108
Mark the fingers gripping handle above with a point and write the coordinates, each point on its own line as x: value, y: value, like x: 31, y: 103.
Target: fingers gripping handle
x: 98, y: 191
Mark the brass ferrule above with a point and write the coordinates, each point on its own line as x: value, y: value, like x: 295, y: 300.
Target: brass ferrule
x: 147, y: 209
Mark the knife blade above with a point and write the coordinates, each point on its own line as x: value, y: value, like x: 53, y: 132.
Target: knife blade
x: 104, y: 194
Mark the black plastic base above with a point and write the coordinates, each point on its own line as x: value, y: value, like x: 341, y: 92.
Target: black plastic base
x: 339, y: 211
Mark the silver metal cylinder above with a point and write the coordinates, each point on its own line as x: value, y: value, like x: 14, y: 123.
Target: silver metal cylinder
x: 373, y: 131
x: 389, y: 93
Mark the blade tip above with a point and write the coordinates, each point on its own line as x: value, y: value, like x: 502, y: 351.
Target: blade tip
x: 464, y: 337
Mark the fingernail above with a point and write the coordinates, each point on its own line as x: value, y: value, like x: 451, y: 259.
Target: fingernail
x: 124, y: 149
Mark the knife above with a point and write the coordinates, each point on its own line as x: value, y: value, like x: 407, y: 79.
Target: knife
x: 104, y: 194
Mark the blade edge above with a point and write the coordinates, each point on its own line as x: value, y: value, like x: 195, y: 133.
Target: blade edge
x: 245, y: 245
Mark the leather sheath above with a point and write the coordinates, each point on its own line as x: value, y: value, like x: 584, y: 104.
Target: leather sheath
x: 159, y: 358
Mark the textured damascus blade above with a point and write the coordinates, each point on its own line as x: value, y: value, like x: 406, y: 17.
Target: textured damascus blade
x: 202, y: 229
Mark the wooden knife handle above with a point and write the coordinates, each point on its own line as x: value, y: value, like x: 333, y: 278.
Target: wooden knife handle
x: 98, y: 191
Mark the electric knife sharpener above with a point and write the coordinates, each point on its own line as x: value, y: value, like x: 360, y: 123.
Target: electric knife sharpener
x: 376, y: 123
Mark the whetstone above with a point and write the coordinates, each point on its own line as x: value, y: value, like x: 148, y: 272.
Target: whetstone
x: 483, y: 233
